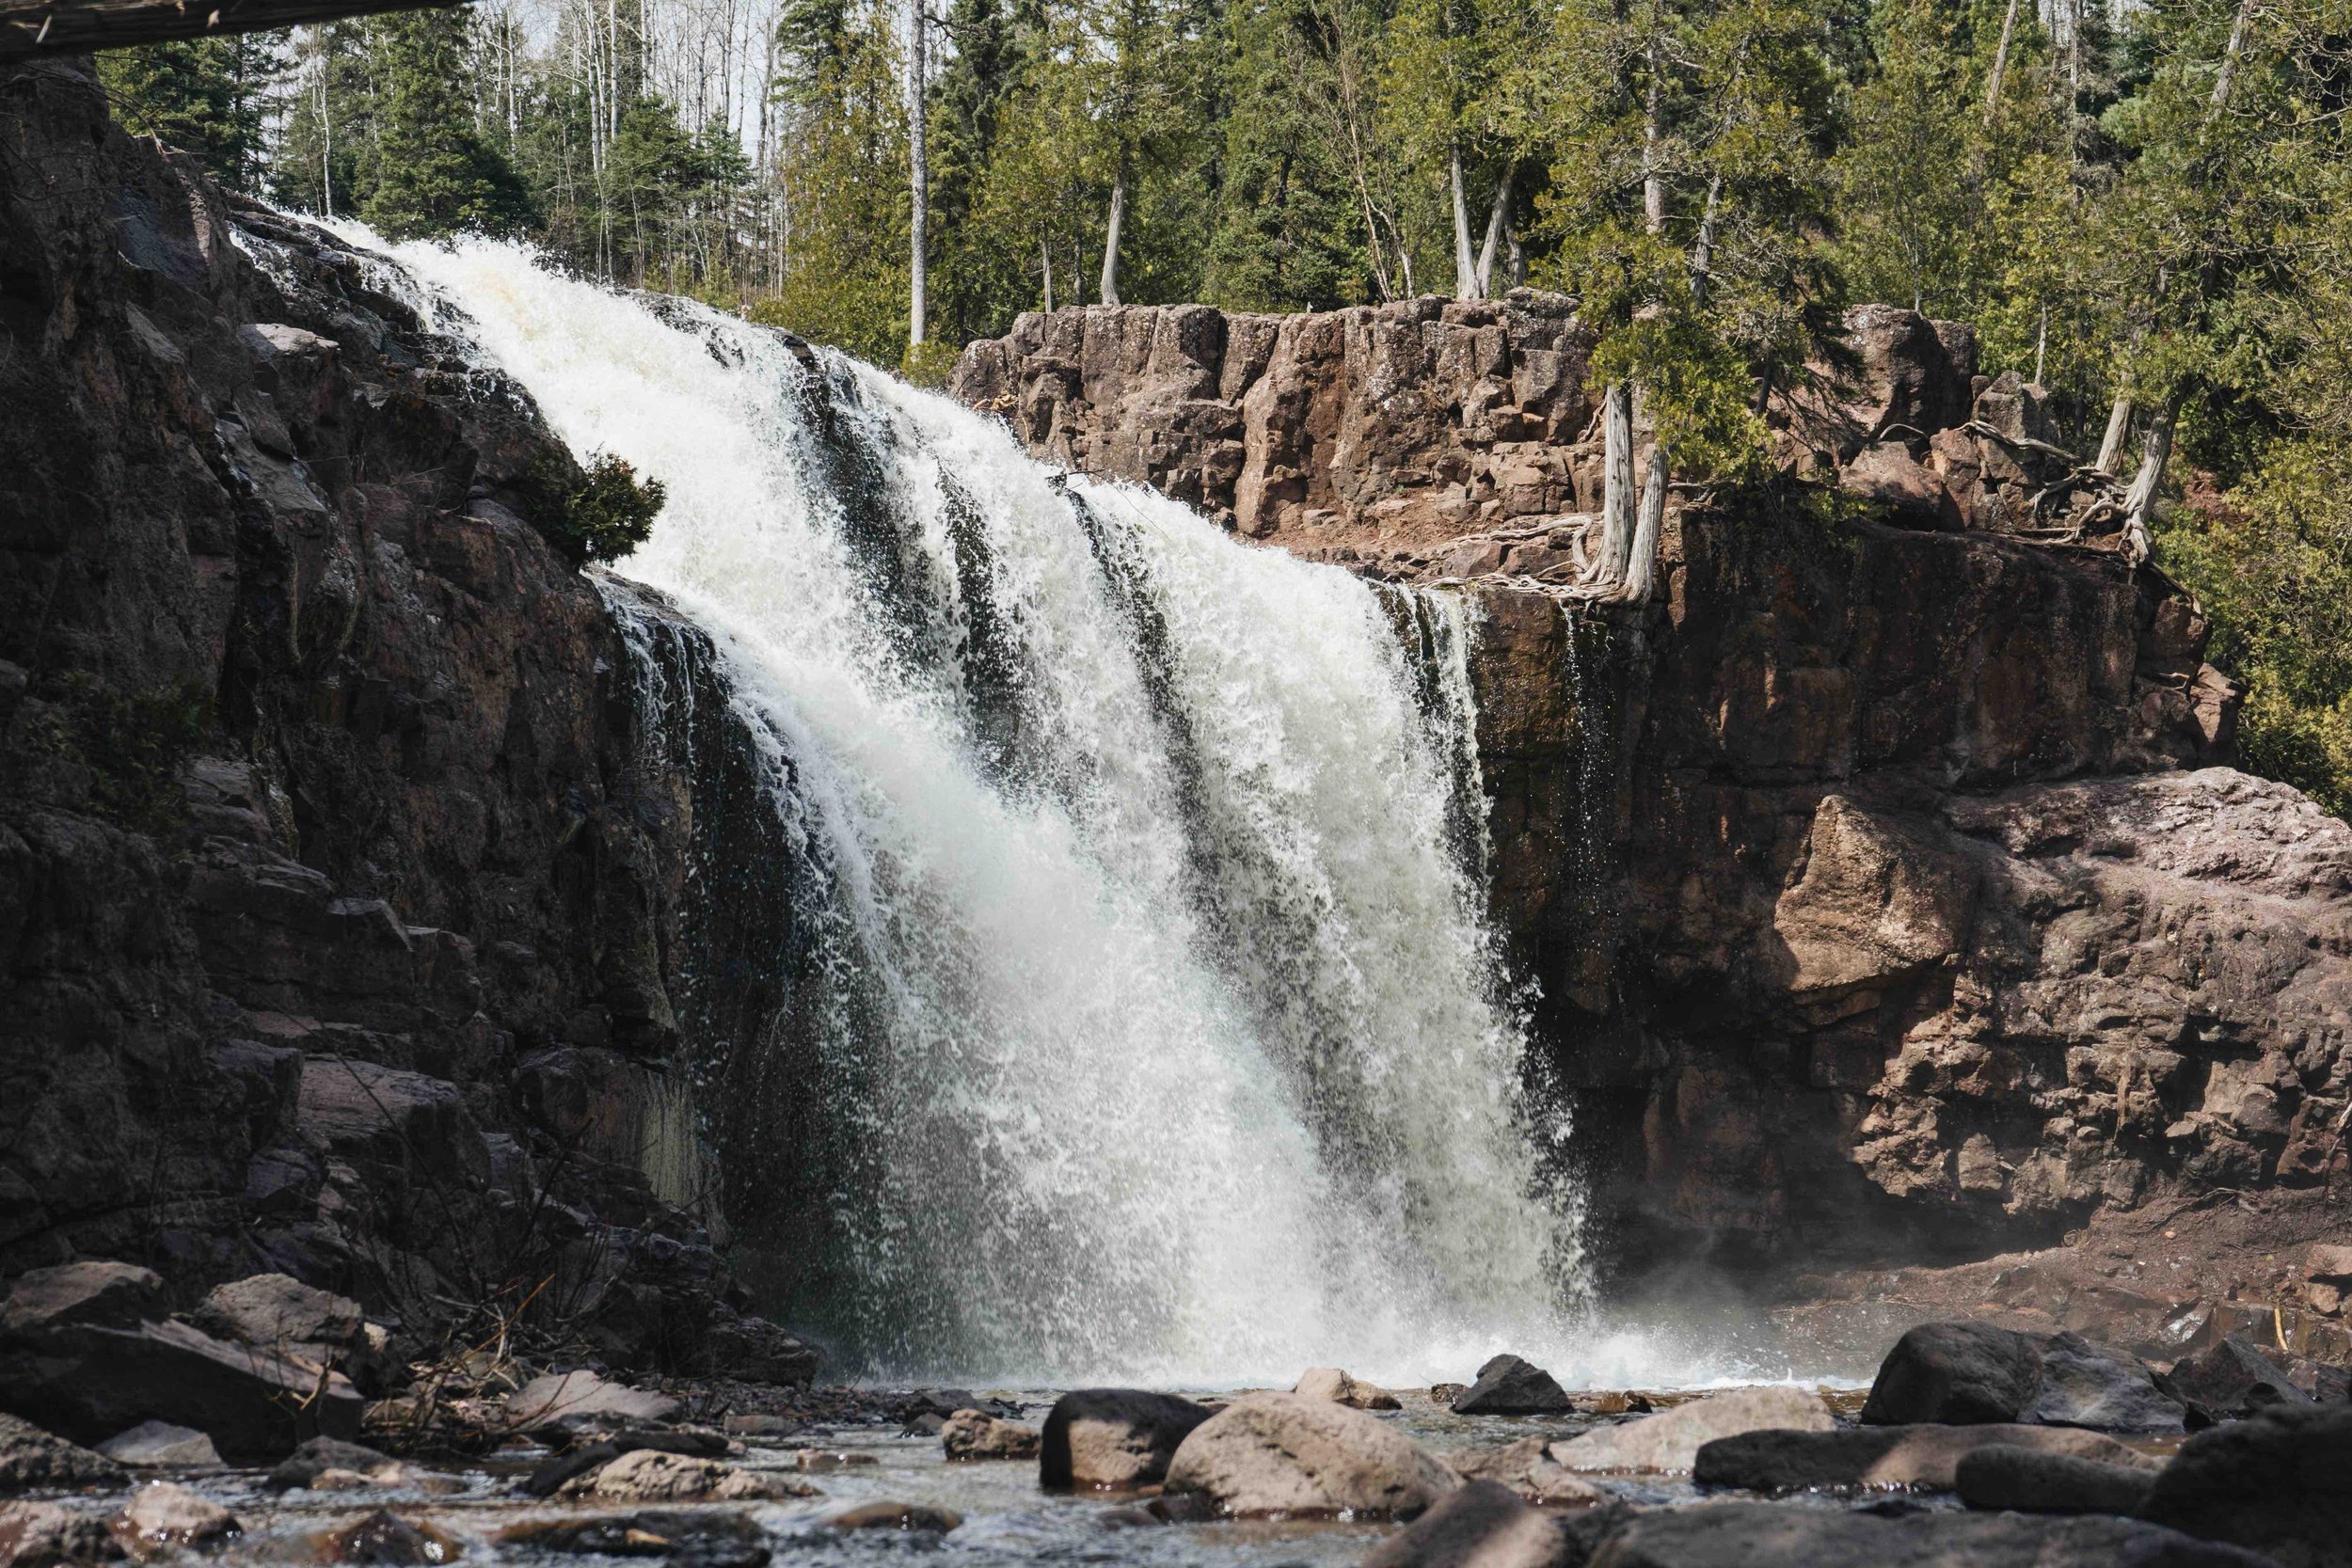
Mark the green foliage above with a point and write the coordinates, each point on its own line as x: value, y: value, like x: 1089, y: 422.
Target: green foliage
x: 603, y: 514
x: 434, y: 174
x: 205, y: 96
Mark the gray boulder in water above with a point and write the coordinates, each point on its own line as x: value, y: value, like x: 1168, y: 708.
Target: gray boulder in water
x: 1507, y: 1385
x: 2232, y: 1378
x: 1765, y: 1535
x: 2003, y: 1476
x: 2280, y: 1484
x: 1485, y: 1525
x: 1955, y: 1374
x: 1114, y: 1437
x: 1289, y: 1454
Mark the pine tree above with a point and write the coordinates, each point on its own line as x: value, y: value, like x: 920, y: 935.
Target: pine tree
x: 203, y: 96
x: 435, y: 173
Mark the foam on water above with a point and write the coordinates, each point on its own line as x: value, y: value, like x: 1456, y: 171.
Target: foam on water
x: 1163, y: 1011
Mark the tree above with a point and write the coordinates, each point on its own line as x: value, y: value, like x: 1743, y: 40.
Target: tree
x: 435, y: 173
x: 205, y: 96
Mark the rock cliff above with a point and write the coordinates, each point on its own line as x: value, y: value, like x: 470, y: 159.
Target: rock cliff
x: 1888, y: 892
x: 339, y: 885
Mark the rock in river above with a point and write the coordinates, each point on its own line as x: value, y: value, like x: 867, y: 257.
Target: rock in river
x: 30, y: 1457
x: 1671, y: 1439
x: 1922, y: 1456
x: 2003, y: 1476
x: 977, y: 1435
x: 1507, y: 1385
x: 1112, y: 1437
x: 1330, y: 1383
x: 1287, y: 1454
x: 1765, y: 1535
x: 1482, y: 1525
x: 2280, y: 1484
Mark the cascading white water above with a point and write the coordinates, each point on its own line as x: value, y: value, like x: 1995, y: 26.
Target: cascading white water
x: 1163, y: 1008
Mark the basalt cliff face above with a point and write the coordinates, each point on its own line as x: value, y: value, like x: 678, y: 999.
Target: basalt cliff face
x: 340, y: 903
x: 1889, y: 894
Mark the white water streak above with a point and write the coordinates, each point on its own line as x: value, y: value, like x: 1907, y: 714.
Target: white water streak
x: 1195, y: 1066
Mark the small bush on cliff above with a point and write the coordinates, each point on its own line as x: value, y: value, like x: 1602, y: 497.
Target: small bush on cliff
x: 603, y: 514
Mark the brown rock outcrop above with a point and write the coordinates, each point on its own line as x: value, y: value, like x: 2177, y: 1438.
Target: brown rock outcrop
x: 1885, y: 898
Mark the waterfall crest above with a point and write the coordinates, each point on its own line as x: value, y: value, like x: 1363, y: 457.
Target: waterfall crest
x: 1140, y: 1021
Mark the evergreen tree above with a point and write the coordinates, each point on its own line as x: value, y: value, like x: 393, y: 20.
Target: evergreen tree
x: 434, y: 172
x: 203, y: 96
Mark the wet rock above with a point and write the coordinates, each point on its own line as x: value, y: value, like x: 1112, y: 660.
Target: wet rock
x: 894, y: 1515
x: 43, y: 1535
x: 2232, y: 1378
x: 329, y: 1465
x: 648, y: 1475
x: 1446, y: 1393
x: 1921, y: 1456
x: 1763, y: 1535
x: 155, y: 1444
x: 1671, y: 1439
x: 30, y: 1457
x: 1955, y: 1373
x: 2280, y: 1482
x: 1507, y: 1385
x: 160, y: 1515
x: 712, y: 1539
x: 753, y: 1350
x: 554, y: 1473
x: 2002, y: 1476
x: 1330, y: 1383
x: 583, y: 1393
x: 1483, y: 1525
x: 385, y: 1538
x: 1285, y: 1454
x: 975, y: 1435
x: 753, y: 1424
x: 823, y: 1461
x: 2085, y: 1385
x: 1526, y: 1469
x: 1114, y: 1437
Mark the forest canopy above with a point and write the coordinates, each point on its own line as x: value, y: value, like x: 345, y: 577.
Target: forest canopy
x: 2145, y: 208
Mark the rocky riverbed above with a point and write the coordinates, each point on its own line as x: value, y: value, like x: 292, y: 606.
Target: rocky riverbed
x: 1972, y: 1444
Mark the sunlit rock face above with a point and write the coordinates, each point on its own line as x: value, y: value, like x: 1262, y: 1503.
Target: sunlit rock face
x: 1886, y: 886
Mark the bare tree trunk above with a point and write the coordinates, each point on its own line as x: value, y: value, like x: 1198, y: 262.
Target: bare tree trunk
x: 1046, y: 259
x: 1617, y: 484
x: 918, y: 164
x: 1703, y: 247
x: 2229, y: 62
x: 1497, y: 217
x: 2000, y: 63
x: 2140, y: 504
x: 1464, y: 269
x: 1110, y: 239
x: 1653, y: 135
x: 1641, y: 573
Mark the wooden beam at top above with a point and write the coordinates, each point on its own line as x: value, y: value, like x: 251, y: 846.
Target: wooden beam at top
x: 30, y: 28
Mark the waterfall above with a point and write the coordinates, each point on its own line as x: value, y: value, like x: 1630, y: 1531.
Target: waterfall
x: 1138, y: 1018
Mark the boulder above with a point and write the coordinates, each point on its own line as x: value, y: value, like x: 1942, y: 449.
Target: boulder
x: 977, y: 1435
x: 650, y: 1476
x: 90, y: 1381
x: 2000, y: 1475
x: 385, y: 1538
x: 759, y: 1424
x: 893, y: 1515
x: 155, y: 1444
x: 2280, y: 1482
x: 160, y: 1515
x: 1483, y: 1525
x: 43, y: 1535
x: 1920, y: 1456
x: 2085, y: 1385
x: 753, y: 1350
x: 105, y: 1294
x: 557, y: 1395
x: 30, y: 1458
x: 324, y: 1456
x: 1330, y: 1383
x: 276, y: 1310
x: 1671, y: 1439
x: 1953, y: 1373
x: 1768, y: 1535
x: 709, y: 1538
x: 824, y: 1460
x: 1114, y: 1437
x: 1507, y: 1385
x: 551, y: 1476
x: 2232, y: 1378
x: 1287, y: 1454
x: 1526, y: 1469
